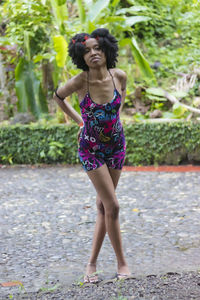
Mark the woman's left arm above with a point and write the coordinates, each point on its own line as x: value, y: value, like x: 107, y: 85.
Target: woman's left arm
x: 123, y: 99
x: 123, y: 79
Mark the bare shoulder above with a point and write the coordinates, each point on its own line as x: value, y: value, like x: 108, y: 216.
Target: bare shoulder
x: 121, y: 77
x: 74, y: 84
x: 120, y: 74
x: 77, y: 81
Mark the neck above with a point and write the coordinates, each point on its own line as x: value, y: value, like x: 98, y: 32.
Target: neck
x: 98, y: 74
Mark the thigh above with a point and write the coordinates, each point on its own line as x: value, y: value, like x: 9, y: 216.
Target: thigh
x: 115, y: 175
x: 104, y: 185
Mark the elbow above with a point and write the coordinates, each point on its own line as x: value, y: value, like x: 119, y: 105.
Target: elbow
x: 55, y: 98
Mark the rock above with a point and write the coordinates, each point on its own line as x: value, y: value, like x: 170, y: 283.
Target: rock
x: 196, y: 102
x: 155, y: 114
x: 156, y: 65
x: 176, y: 156
x: 22, y: 118
x: 130, y: 111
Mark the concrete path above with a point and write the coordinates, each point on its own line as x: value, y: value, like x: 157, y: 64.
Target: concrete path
x: 47, y: 218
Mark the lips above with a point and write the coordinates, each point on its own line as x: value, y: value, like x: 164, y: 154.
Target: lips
x: 95, y: 59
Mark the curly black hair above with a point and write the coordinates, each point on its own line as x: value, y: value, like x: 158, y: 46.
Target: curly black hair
x: 108, y: 44
x: 106, y: 41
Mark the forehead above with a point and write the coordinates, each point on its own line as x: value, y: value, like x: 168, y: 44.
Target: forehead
x: 91, y: 42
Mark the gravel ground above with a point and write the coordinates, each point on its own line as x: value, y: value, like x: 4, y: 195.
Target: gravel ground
x: 171, y: 286
x: 47, y: 216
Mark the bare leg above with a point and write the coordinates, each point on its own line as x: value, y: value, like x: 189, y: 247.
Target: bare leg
x: 103, y: 183
x: 100, y: 227
x: 99, y: 234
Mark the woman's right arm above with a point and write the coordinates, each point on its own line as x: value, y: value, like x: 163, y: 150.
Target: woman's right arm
x: 73, y: 85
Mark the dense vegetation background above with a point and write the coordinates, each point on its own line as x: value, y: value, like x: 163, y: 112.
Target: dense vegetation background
x: 159, y: 50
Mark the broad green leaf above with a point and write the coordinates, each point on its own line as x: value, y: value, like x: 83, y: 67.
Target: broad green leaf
x: 132, y: 2
x: 90, y: 27
x: 4, y: 40
x: 60, y: 13
x: 179, y: 94
x: 81, y: 10
x: 61, y: 2
x: 156, y: 98
x: 39, y: 96
x: 27, y: 45
x: 40, y: 57
x: 28, y: 89
x: 136, y: 19
x: 138, y: 117
x: 111, y: 19
x: 124, y: 42
x: 123, y: 27
x: 20, y: 86
x: 131, y: 10
x: 141, y: 61
x: 156, y: 91
x: 168, y: 115
x: 115, y: 3
x: 178, y: 110
x: 96, y: 9
x: 60, y: 45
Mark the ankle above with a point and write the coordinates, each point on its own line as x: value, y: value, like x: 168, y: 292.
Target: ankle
x: 122, y: 264
x: 93, y: 264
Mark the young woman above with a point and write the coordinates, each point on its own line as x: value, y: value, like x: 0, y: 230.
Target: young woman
x: 101, y: 90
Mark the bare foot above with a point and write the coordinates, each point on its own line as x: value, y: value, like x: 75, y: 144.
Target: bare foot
x: 90, y: 276
x: 123, y: 270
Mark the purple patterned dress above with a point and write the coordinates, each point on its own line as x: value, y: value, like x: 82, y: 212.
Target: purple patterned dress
x: 102, y: 138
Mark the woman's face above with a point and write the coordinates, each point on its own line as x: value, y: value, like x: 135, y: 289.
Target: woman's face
x: 94, y: 56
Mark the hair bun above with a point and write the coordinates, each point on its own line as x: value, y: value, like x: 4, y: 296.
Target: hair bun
x: 102, y: 32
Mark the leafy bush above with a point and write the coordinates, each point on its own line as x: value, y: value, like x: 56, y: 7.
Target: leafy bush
x: 32, y: 144
x: 147, y: 143
x: 162, y: 143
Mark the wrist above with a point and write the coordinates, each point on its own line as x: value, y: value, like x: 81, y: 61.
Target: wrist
x: 80, y: 125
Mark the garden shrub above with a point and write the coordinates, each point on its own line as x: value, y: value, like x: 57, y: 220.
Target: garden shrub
x: 147, y: 143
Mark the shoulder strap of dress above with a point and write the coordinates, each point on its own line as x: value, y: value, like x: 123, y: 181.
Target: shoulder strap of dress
x: 112, y: 79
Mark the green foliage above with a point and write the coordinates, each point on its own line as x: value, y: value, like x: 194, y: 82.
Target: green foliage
x: 147, y: 143
x: 29, y: 16
x: 28, y: 89
x: 149, y: 31
x: 162, y: 143
x: 110, y: 15
x: 41, y: 30
x: 171, y: 37
x: 60, y: 13
x: 61, y: 48
x: 32, y: 144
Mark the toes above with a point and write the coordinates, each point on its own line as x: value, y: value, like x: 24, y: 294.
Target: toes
x: 123, y: 276
x: 91, y: 279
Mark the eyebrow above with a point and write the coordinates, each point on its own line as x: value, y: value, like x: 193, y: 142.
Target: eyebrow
x: 92, y: 46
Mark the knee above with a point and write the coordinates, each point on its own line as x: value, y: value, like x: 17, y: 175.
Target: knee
x: 113, y: 211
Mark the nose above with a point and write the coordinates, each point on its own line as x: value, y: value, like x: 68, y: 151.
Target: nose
x: 93, y: 51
